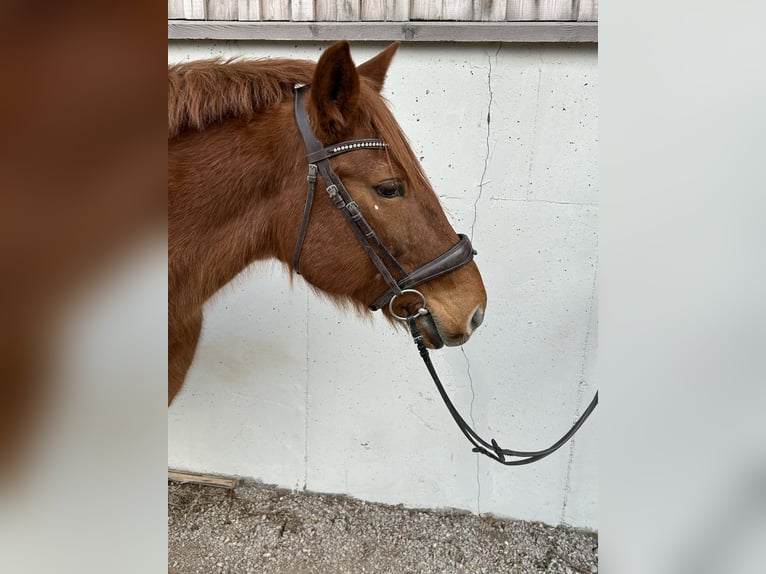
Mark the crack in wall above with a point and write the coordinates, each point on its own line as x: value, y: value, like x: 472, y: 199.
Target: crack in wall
x: 482, y: 183
x: 482, y: 180
x: 525, y: 200
x: 421, y: 419
x: 473, y: 424
x: 581, y: 386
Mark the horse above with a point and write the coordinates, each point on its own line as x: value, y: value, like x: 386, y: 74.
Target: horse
x: 237, y: 193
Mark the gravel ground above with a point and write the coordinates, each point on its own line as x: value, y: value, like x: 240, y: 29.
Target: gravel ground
x: 262, y: 529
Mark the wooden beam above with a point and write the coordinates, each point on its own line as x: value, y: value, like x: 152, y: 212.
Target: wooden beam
x: 386, y: 31
x: 206, y: 479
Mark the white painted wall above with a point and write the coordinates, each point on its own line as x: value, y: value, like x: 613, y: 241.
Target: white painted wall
x: 289, y: 390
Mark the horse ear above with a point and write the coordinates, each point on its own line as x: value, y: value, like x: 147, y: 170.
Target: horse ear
x: 335, y: 91
x: 376, y: 68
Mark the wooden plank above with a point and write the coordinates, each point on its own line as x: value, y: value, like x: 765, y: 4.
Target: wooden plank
x: 222, y: 10
x: 302, y: 10
x: 325, y: 10
x: 387, y: 31
x: 397, y: 10
x: 426, y: 10
x: 275, y: 9
x: 541, y: 10
x: 175, y: 9
x: 337, y: 10
x: 555, y: 10
x: 348, y: 10
x: 198, y: 478
x: 195, y: 9
x: 489, y: 10
x: 372, y: 10
x: 452, y: 10
x: 248, y: 10
x: 521, y: 10
x: 588, y: 11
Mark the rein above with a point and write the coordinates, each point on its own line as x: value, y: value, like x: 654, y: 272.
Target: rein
x: 454, y: 258
x: 492, y: 449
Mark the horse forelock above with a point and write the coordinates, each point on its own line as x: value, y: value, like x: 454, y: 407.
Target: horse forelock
x: 204, y: 92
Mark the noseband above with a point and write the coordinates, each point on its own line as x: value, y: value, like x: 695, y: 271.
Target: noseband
x: 319, y: 161
x: 454, y: 258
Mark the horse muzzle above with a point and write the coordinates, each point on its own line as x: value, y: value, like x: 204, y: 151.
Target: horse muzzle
x: 436, y: 336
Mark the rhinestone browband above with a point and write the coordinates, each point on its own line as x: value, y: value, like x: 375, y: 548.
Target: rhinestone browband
x: 358, y: 145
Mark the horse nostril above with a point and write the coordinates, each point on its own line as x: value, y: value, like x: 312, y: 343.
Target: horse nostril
x: 477, y: 318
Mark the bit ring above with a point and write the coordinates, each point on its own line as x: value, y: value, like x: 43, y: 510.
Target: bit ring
x: 421, y: 311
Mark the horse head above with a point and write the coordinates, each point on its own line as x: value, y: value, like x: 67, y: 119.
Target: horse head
x: 386, y: 182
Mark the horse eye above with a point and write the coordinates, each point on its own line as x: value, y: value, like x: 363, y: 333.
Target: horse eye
x: 390, y: 189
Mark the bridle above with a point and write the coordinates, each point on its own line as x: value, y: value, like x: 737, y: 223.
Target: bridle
x: 319, y: 161
x: 457, y: 256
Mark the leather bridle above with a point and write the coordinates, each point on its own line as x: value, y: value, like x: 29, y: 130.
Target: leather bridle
x: 319, y: 161
x: 454, y: 258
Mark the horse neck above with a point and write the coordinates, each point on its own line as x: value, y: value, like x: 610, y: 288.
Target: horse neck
x: 233, y: 198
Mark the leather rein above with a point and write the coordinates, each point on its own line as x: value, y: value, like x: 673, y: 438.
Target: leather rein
x: 461, y: 254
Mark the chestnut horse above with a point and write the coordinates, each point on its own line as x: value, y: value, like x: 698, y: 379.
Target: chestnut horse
x: 237, y: 171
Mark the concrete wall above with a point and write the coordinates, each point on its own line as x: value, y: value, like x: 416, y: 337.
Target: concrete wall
x: 289, y: 390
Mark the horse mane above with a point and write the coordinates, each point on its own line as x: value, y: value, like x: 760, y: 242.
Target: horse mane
x: 205, y: 92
